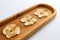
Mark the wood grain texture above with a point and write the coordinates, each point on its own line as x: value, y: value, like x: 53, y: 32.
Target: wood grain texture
x: 27, y: 31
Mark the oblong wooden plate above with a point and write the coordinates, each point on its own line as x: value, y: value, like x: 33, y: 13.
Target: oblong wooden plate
x: 27, y: 31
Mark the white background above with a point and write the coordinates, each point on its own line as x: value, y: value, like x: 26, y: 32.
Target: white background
x: 49, y: 32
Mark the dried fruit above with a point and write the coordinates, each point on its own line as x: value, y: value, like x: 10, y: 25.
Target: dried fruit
x: 28, y: 20
x: 41, y: 13
x: 11, y: 30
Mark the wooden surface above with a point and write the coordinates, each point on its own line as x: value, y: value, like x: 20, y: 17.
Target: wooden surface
x: 27, y: 31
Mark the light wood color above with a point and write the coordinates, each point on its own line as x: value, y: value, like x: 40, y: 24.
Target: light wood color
x: 29, y: 30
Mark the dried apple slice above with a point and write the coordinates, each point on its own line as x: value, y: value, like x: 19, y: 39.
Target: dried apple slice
x: 11, y: 30
x: 41, y: 12
x: 28, y: 20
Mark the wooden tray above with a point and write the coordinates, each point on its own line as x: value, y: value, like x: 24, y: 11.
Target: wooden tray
x: 27, y: 31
